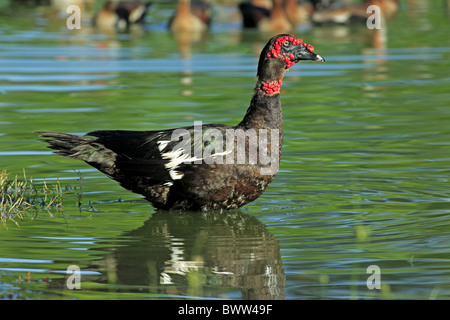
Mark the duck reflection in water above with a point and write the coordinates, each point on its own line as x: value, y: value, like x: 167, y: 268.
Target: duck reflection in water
x: 202, y: 255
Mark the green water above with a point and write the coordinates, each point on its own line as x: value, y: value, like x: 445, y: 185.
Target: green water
x: 364, y: 177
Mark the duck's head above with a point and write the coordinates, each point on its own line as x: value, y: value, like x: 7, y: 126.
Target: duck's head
x: 281, y: 53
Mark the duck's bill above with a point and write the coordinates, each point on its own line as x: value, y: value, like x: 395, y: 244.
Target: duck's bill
x: 319, y: 58
x: 304, y: 54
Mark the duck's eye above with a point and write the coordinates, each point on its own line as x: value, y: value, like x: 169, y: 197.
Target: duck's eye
x: 286, y: 43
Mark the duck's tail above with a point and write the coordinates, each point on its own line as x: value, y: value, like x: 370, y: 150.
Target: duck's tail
x: 81, y: 148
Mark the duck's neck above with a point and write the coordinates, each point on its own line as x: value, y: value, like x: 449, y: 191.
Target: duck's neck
x: 265, y: 106
x: 184, y: 8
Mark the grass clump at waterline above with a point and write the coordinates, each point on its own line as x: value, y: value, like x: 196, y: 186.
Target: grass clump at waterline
x: 19, y: 196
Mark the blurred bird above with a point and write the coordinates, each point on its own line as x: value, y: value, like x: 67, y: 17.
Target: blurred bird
x: 298, y: 12
x: 254, y: 11
x: 191, y: 16
x: 344, y: 14
x: 278, y: 21
x: 119, y: 15
x: 266, y: 16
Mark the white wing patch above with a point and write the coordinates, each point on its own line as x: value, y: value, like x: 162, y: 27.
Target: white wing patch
x: 176, y: 158
x: 162, y: 144
x: 179, y: 156
x: 224, y: 153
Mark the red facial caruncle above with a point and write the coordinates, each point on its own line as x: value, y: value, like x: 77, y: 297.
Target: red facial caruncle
x: 271, y: 88
x: 288, y: 59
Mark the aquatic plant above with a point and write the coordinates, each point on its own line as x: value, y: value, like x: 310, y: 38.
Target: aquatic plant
x: 19, y: 196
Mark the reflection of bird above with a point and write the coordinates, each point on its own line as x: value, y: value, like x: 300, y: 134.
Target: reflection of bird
x: 236, y: 250
x: 117, y: 15
x: 192, y: 168
x: 191, y: 16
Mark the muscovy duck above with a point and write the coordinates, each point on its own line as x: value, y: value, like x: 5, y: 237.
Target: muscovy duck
x: 202, y: 167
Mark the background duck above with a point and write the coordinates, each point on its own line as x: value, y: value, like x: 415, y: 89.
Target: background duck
x: 340, y: 13
x: 119, y: 15
x: 191, y: 16
x: 254, y: 11
x: 298, y: 12
x: 278, y: 21
x: 266, y: 16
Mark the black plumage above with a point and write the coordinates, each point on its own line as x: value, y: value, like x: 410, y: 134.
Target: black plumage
x: 194, y: 168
